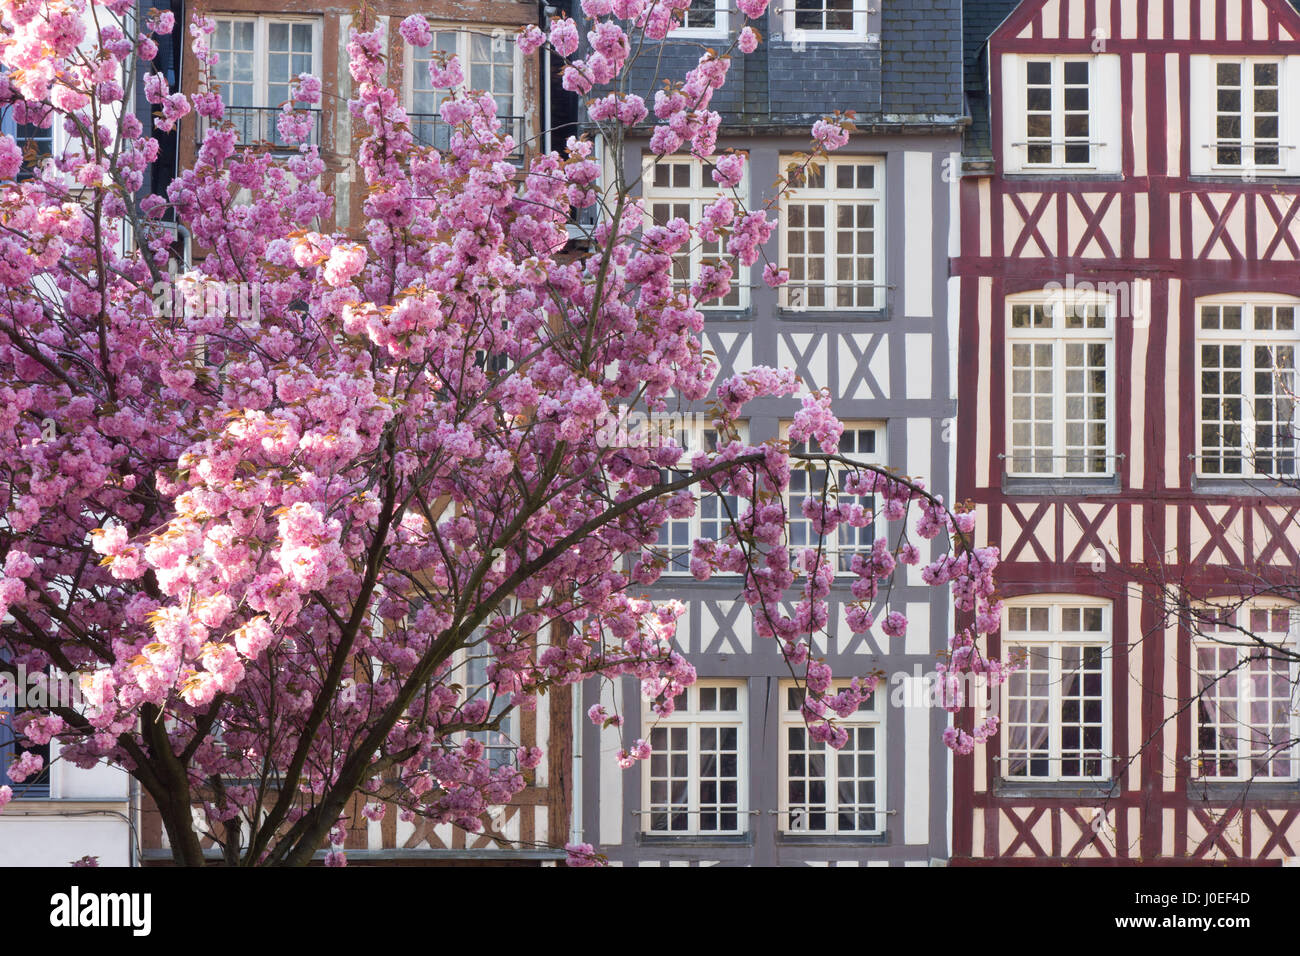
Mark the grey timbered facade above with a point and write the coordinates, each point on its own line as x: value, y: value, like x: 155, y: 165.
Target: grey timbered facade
x: 733, y: 778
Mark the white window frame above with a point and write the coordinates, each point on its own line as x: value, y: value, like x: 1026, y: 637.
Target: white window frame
x: 832, y: 548
x: 690, y: 717
x: 1247, y: 113
x: 1244, y: 695
x: 1055, y: 638
x: 870, y: 715
x: 261, y: 58
x: 510, y: 736
x: 1203, y: 130
x: 721, y: 23
x: 41, y: 785
x: 38, y: 786
x: 463, y: 34
x: 795, y: 33
x: 1247, y: 339
x: 1059, y: 141
x: 701, y: 192
x: 58, y: 136
x: 1060, y: 304
x: 832, y: 199
x: 696, y: 434
x: 1105, y: 126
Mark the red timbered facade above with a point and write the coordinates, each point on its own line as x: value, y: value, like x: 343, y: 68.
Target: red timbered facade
x: 1128, y: 281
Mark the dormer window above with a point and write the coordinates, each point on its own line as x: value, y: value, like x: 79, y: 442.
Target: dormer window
x: 1052, y: 117
x: 817, y: 20
x: 704, y: 18
x: 1246, y: 118
x: 1058, y: 112
x: 1240, y: 121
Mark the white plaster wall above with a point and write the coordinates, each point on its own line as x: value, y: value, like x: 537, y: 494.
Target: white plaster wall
x: 32, y: 835
x: 100, y: 782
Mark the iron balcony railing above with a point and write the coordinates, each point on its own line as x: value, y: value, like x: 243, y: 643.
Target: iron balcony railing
x: 257, y: 124
x: 429, y: 130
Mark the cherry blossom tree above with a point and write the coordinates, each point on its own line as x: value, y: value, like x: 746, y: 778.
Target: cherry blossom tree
x: 266, y: 545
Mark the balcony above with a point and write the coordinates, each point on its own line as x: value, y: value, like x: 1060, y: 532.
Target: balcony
x: 256, y: 125
x: 429, y: 130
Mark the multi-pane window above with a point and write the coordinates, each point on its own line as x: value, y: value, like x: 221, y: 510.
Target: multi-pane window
x: 500, y: 744
x: 1057, y: 722
x: 259, y: 59
x: 38, y: 784
x: 1247, y: 379
x: 830, y: 791
x: 489, y: 60
x: 1247, y: 114
x: 36, y: 142
x: 825, y: 19
x: 714, y: 512
x: 680, y: 187
x: 1059, y: 359
x: 695, y: 780
x: 1247, y: 704
x: 1058, y: 112
x: 831, y: 236
x: 860, y: 441
x: 705, y: 16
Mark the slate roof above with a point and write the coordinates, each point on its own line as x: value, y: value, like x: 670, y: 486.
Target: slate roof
x: 979, y: 19
x: 910, y: 77
x: 921, y: 42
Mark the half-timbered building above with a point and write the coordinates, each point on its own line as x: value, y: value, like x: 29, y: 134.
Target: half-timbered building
x: 733, y: 778
x: 1127, y: 283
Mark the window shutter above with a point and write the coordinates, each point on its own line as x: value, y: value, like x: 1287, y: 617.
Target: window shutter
x: 1109, y: 119
x: 1201, y: 101
x: 1289, y: 103
x: 1013, y: 113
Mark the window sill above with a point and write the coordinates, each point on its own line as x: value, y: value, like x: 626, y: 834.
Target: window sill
x: 697, y: 33
x: 845, y: 37
x: 727, y: 315
x: 1068, y: 173
x: 1237, y: 177
x: 833, y: 315
x: 37, y: 795
x: 832, y: 839
x: 1245, y: 486
x: 1074, y: 487
x: 49, y: 801
x: 685, y: 577
x: 1230, y: 791
x: 695, y: 839
x: 1058, y: 789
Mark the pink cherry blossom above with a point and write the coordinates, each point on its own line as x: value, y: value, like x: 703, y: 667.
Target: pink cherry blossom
x: 530, y: 39
x: 564, y: 36
x: 345, y: 261
x: 831, y: 135
x: 415, y: 30
x: 282, y: 538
